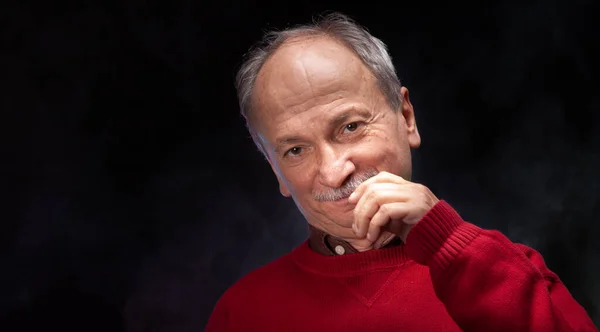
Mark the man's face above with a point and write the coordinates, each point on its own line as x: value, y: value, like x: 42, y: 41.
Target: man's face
x: 326, y: 127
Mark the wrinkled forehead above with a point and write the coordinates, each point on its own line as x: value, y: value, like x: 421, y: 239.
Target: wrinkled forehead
x: 306, y: 72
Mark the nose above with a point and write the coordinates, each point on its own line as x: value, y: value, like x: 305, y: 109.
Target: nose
x: 335, y: 167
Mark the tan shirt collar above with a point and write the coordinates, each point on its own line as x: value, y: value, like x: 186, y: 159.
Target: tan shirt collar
x: 329, y: 245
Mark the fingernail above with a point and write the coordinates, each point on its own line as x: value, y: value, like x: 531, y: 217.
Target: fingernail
x: 351, y: 197
x: 369, y: 236
x: 355, y: 228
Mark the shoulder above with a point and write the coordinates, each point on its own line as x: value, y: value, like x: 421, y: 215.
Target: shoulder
x: 256, y: 292
x: 274, y: 275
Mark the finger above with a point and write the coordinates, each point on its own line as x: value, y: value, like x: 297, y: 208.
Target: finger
x: 390, y: 177
x: 382, y: 177
x: 376, y: 195
x: 388, y: 216
x: 368, y: 205
x: 363, y: 212
x: 384, y: 238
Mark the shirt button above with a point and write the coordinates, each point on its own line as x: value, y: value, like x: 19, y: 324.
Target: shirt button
x: 340, y: 250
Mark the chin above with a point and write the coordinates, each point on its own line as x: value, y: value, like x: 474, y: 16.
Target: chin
x: 343, y: 219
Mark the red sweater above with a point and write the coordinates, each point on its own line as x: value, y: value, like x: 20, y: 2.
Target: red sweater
x: 450, y: 276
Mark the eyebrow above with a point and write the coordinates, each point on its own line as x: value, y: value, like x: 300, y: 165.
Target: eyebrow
x: 345, y: 115
x: 288, y: 140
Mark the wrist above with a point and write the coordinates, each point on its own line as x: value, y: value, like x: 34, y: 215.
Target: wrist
x: 439, y: 236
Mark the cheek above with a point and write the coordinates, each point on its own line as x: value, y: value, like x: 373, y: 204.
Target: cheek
x: 376, y: 149
x: 385, y: 153
x: 299, y: 182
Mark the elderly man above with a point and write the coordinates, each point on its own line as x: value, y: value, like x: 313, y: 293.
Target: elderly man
x: 325, y: 107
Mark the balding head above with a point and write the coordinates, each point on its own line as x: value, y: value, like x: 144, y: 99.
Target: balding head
x: 370, y: 50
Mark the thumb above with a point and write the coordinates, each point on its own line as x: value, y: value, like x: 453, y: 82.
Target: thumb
x: 362, y: 245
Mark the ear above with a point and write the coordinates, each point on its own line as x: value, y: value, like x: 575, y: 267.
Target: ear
x: 282, y: 186
x: 408, y: 113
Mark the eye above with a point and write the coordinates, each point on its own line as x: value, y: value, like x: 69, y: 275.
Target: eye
x: 294, y: 151
x: 351, y: 127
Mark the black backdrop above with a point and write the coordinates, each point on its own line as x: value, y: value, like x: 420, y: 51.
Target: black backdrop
x: 133, y: 197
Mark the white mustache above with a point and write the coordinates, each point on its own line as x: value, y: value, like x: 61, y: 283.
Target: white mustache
x: 345, y: 190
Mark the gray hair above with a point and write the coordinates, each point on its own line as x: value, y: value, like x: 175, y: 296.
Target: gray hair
x: 372, y: 51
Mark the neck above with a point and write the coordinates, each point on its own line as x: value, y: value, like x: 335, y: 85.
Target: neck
x: 329, y: 245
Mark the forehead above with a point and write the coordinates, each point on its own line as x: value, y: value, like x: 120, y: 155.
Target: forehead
x: 303, y: 63
x: 305, y: 73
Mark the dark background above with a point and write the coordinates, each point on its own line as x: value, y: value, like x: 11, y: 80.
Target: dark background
x: 133, y: 196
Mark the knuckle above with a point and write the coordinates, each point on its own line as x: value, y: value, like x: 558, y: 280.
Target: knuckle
x: 371, y: 193
x: 384, y: 209
x: 381, y: 222
x: 422, y: 190
x: 387, y: 175
x: 424, y: 196
x: 421, y: 187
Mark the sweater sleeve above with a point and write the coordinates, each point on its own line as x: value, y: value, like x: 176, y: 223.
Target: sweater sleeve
x: 217, y: 321
x: 488, y: 283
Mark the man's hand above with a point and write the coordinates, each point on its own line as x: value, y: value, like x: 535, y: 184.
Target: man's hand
x: 387, y: 201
